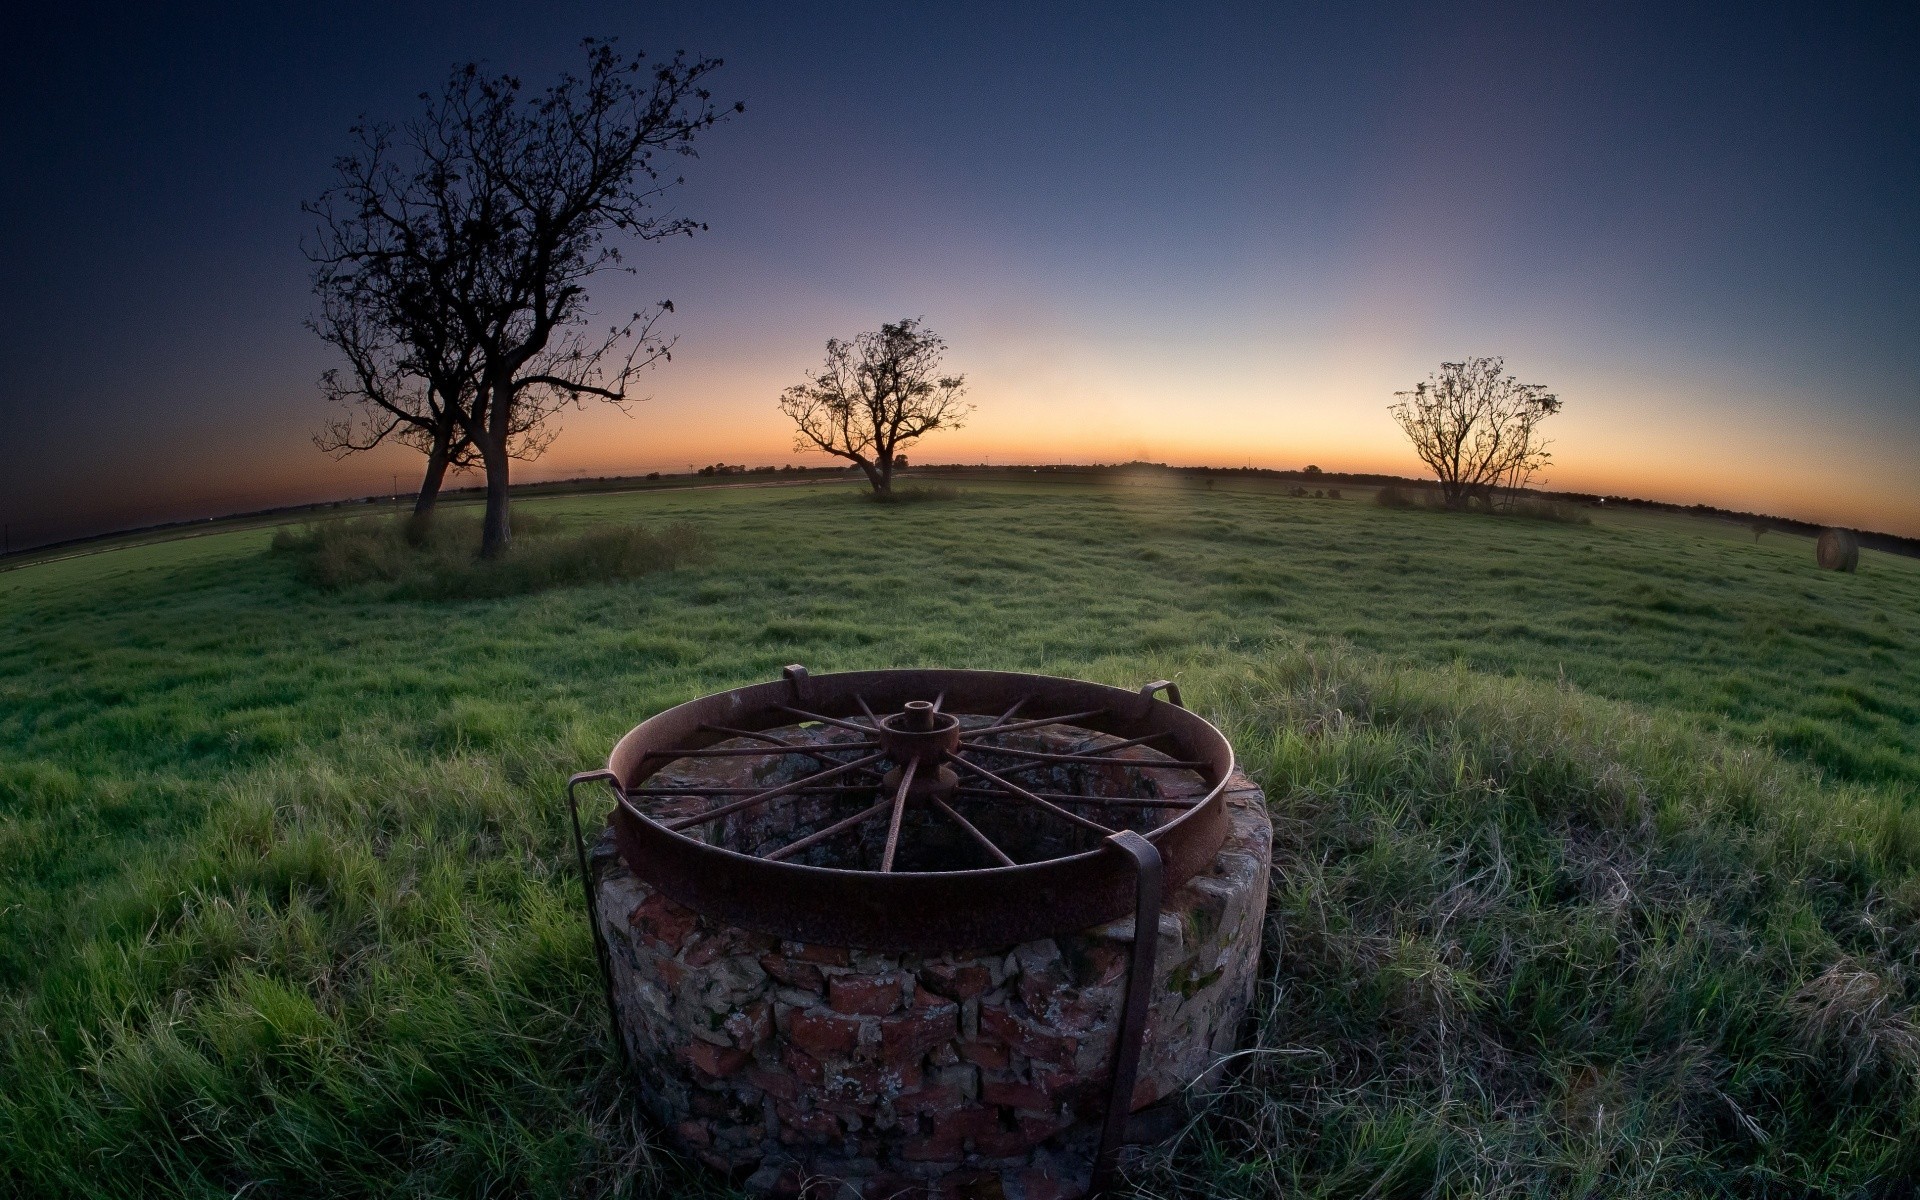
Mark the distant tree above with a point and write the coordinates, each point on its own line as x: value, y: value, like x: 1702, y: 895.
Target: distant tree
x: 498, y: 209
x: 1759, y: 527
x: 875, y: 395
x: 1477, y: 428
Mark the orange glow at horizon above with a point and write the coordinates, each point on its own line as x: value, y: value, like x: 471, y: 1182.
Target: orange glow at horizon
x: 1669, y: 453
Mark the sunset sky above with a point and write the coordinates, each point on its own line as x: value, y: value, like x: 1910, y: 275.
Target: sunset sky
x: 1187, y: 233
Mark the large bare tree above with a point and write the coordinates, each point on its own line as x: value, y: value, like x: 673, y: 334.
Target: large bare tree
x: 1477, y: 428
x: 497, y: 208
x: 874, y: 396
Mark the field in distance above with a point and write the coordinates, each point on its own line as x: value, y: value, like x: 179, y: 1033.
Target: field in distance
x: 1597, y: 842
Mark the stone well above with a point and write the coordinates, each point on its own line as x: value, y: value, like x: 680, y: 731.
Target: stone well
x: 840, y: 1071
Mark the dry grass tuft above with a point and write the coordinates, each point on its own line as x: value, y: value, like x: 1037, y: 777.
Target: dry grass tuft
x: 1854, y: 1012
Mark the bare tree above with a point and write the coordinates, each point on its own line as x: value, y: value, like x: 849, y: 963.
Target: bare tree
x: 1477, y: 428
x: 875, y: 395
x: 498, y: 209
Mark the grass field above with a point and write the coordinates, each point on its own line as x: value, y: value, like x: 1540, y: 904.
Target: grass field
x: 1598, y: 852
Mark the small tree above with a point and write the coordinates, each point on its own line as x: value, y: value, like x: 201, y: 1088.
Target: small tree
x: 1477, y: 428
x: 874, y: 396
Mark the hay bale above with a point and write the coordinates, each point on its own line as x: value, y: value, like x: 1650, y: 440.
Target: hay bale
x: 1838, y: 550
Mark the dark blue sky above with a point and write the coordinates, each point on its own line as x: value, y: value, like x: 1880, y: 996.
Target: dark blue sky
x: 1191, y: 233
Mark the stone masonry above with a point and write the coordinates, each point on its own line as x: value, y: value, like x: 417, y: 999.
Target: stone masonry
x: 832, y: 1071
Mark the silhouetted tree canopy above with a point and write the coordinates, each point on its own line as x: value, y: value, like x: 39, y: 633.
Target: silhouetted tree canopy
x: 493, y: 211
x: 875, y: 395
x: 1477, y: 428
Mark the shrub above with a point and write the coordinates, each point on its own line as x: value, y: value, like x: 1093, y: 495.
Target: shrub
x: 1548, y: 510
x: 1394, y: 496
x: 1333, y: 493
x: 445, y: 564
x: 916, y: 495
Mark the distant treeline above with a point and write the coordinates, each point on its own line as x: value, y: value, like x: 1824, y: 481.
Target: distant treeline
x: 1888, y: 542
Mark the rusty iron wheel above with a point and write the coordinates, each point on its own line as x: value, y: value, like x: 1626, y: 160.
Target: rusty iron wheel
x: 925, y: 741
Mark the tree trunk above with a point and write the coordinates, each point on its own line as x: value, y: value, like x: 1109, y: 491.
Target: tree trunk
x: 873, y: 477
x: 886, y: 475
x: 496, y: 533
x: 422, y: 518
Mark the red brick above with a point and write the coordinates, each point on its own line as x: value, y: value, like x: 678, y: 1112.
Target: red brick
x: 694, y: 1133
x: 751, y: 1025
x: 717, y: 1061
x: 870, y: 1081
x: 805, y: 1067
x: 831, y: 956
x: 994, y: 1056
x: 933, y: 1148
x: 894, y: 1187
x: 1084, y: 1012
x: 862, y: 995
x: 779, y: 1084
x: 708, y: 949
x: 1099, y: 963
x: 907, y: 1038
x: 1032, y: 1042
x: 663, y: 922
x: 718, y: 1162
x: 940, y: 1099
x: 955, y: 982
x: 1007, y: 1143
x: 823, y: 1035
x: 1014, y: 1094
x: 710, y: 1104
x: 1039, y: 989
x: 669, y: 971
x: 802, y: 975
x: 966, y: 1122
x: 797, y: 1126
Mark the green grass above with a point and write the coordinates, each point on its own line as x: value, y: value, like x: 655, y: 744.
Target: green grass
x: 1597, y: 844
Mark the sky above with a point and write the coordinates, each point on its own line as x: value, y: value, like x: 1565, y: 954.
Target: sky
x: 1188, y: 233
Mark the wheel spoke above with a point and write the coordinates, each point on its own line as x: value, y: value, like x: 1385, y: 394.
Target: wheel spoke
x: 695, y: 790
x: 1021, y: 793
x: 1042, y: 756
x: 899, y: 810
x: 756, y: 751
x: 821, y: 835
x: 816, y: 751
x: 986, y: 843
x: 1068, y: 718
x: 804, y: 715
x: 1006, y: 716
x: 759, y: 798
x: 1104, y: 801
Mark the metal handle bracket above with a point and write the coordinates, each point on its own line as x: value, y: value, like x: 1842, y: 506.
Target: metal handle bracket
x: 600, y: 951
x: 1134, y: 1009
x: 1168, y: 686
